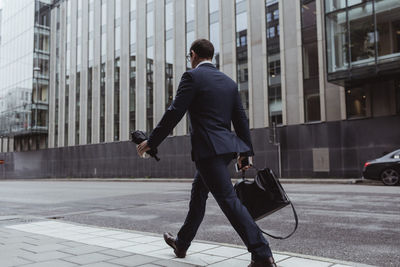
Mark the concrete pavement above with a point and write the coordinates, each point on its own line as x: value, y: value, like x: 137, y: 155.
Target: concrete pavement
x: 57, y: 244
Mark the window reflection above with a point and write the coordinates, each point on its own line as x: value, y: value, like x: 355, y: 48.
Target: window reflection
x: 241, y: 53
x: 353, y: 36
x: 150, y: 64
x: 310, y: 61
x: 132, y: 67
x: 362, y: 34
x: 169, y: 52
x: 214, y: 29
x: 274, y: 62
x: 388, y: 29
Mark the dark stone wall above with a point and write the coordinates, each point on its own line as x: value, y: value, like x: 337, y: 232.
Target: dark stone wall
x: 350, y: 144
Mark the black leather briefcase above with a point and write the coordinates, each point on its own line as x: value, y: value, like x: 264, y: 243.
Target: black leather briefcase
x: 263, y: 196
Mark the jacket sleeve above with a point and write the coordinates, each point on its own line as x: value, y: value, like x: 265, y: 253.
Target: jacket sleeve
x: 241, y: 124
x: 183, y: 99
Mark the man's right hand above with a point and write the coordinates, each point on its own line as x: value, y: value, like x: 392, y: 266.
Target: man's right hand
x: 244, y: 168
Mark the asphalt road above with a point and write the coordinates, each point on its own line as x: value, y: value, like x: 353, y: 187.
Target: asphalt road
x: 357, y: 223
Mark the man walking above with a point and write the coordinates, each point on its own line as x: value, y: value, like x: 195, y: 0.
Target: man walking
x: 213, y: 102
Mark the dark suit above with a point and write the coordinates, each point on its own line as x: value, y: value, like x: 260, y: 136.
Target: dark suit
x: 213, y: 102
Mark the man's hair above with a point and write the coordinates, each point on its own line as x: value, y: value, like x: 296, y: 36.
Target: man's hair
x: 203, y: 48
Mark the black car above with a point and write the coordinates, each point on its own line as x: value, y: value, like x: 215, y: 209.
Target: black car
x: 386, y: 168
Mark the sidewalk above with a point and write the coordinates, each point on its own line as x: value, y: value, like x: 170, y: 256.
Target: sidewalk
x: 59, y: 244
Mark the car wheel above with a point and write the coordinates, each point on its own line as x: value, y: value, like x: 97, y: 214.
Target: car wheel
x: 390, y: 177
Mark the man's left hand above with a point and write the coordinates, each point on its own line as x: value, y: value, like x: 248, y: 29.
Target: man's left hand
x: 142, y: 148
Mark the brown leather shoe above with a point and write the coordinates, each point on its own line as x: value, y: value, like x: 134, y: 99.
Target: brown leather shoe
x: 270, y: 262
x: 171, y: 241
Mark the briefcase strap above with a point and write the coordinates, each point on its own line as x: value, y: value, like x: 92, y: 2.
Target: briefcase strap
x: 294, y: 213
x: 294, y: 230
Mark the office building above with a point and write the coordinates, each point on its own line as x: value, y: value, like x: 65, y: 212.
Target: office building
x: 319, y: 80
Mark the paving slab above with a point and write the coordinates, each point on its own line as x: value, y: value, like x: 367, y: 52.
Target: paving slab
x: 54, y: 243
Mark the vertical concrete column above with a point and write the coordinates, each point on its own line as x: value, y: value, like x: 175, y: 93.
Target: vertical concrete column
x: 227, y: 42
x: 52, y: 97
x: 84, y: 74
x: 61, y: 96
x: 159, y: 61
x: 72, y: 75
x: 96, y: 73
x: 283, y: 58
x: 202, y: 21
x: 179, y: 52
x: 110, y: 58
x: 141, y: 98
x: 293, y: 77
x: 257, y: 59
x: 124, y: 72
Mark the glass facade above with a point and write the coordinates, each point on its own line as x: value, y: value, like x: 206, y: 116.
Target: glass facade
x: 241, y: 53
x: 25, y: 72
x: 274, y: 62
x: 358, y: 34
x: 169, y: 52
x: 214, y: 29
x: 190, y: 16
x: 117, y: 48
x: 132, y: 67
x: 103, y: 45
x: 67, y: 71
x: 361, y: 33
x: 57, y: 81
x: 312, y: 107
x: 90, y: 73
x: 78, y: 74
x: 149, y: 63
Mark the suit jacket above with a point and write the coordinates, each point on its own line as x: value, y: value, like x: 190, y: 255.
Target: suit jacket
x: 213, y: 102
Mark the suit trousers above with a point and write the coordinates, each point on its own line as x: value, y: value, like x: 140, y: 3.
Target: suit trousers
x: 213, y: 176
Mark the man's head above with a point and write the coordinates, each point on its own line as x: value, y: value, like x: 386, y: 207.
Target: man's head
x: 200, y: 50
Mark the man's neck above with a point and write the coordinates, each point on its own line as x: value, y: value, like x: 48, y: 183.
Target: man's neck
x: 204, y: 62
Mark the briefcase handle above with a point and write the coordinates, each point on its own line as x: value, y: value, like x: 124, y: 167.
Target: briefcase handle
x: 291, y: 204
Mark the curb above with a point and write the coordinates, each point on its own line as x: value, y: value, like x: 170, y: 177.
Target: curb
x: 190, y: 180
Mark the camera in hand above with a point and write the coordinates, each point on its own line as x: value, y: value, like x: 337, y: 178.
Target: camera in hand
x: 244, y: 162
x: 138, y: 137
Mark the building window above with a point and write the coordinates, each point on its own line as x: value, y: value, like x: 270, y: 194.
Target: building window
x: 190, y: 10
x: 274, y: 64
x: 312, y: 109
x: 132, y: 67
x: 116, y: 98
x: 241, y: 53
x: 337, y: 41
x: 89, y: 106
x: 361, y: 32
x: 169, y: 52
x: 102, y: 100
x: 356, y: 102
x: 388, y: 30
x: 214, y: 29
x: 103, y: 45
x: 150, y: 64
x: 117, y: 49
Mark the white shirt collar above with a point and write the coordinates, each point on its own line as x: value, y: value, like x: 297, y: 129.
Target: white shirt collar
x: 204, y: 62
